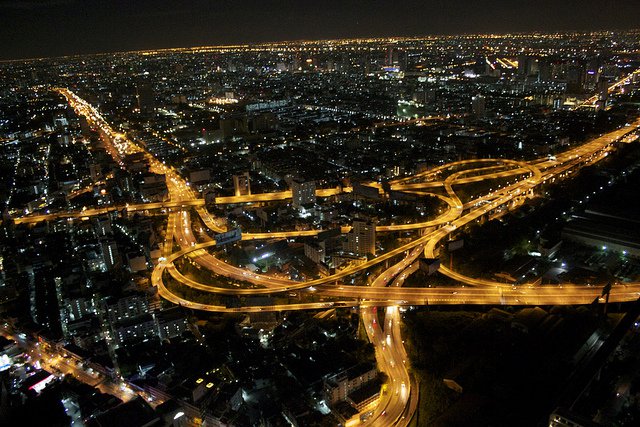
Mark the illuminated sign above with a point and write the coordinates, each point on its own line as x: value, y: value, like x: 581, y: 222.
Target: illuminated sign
x: 44, y: 379
x: 266, y: 105
x: 228, y: 237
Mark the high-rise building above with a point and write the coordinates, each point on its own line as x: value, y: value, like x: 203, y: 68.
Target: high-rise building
x: 389, y: 57
x: 315, y: 251
x: 544, y: 70
x: 478, y: 106
x: 303, y: 192
x: 523, y: 61
x: 395, y: 58
x: 171, y: 323
x: 603, y: 89
x: 361, y: 240
x: 242, y: 184
x: 110, y: 254
x: 135, y: 329
x: 78, y: 308
x: 234, y: 124
x: 575, y: 77
x: 145, y: 97
x: 102, y: 225
x: 127, y: 307
x: 424, y: 96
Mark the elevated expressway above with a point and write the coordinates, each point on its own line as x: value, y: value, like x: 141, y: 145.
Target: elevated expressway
x: 535, y: 174
x: 86, y: 213
x: 399, y: 400
x: 590, y: 102
x: 397, y: 404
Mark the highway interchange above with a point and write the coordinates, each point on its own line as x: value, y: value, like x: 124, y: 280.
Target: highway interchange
x: 399, y: 399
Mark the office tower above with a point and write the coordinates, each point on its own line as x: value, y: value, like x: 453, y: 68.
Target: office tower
x: 603, y: 89
x: 389, y: 58
x: 146, y: 98
x: 544, y: 70
x: 478, y: 106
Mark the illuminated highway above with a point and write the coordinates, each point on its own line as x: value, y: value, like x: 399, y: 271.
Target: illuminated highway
x: 592, y: 100
x: 281, y: 195
x: 397, y: 403
x: 389, y: 349
x: 53, y: 360
x: 86, y: 213
x: 390, y: 352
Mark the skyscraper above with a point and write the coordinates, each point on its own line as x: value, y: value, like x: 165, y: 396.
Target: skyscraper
x: 145, y: 97
x: 478, y: 106
x: 110, y: 254
x: 390, y: 57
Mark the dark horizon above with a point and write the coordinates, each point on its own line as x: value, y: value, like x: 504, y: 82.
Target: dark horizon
x: 300, y: 40
x: 52, y: 28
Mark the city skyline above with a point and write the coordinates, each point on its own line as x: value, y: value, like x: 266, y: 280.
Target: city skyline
x: 69, y: 27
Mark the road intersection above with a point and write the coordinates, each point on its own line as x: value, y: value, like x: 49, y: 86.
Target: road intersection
x: 399, y: 400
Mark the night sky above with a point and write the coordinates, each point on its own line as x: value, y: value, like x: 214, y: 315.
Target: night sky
x: 39, y: 28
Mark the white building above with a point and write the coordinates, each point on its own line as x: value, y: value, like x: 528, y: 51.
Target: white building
x: 338, y: 387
